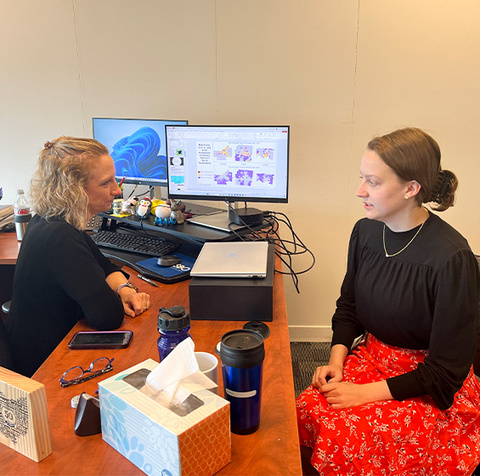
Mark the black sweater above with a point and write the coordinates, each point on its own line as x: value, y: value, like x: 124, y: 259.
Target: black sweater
x: 424, y: 298
x: 59, y: 279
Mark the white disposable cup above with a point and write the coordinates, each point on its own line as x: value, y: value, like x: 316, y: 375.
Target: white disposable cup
x: 208, y: 365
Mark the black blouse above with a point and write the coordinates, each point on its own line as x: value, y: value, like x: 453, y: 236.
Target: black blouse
x: 59, y: 279
x: 426, y: 297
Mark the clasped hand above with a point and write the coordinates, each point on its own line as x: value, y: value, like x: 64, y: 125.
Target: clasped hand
x: 339, y: 394
x: 329, y: 381
x: 134, y: 303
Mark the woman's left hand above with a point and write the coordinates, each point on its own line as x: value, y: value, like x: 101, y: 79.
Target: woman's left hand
x: 134, y: 303
x: 347, y: 394
x: 342, y: 394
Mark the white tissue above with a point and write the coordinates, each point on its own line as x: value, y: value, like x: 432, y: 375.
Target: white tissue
x: 177, y: 375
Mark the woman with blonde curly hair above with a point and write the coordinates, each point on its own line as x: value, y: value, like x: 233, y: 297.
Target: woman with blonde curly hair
x: 61, y: 276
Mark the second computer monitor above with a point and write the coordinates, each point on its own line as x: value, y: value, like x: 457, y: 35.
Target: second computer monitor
x: 230, y: 163
x: 137, y: 146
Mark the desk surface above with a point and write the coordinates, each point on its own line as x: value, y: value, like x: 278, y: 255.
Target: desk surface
x: 9, y: 248
x: 272, y: 449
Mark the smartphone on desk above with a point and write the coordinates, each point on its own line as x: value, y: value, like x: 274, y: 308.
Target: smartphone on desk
x: 101, y: 340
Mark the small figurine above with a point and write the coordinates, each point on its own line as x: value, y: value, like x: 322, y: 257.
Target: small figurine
x: 177, y: 213
x: 163, y: 211
x: 143, y: 208
x: 129, y: 205
x: 163, y: 215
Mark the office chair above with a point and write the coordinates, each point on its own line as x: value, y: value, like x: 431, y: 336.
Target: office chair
x: 6, y: 307
x: 5, y: 353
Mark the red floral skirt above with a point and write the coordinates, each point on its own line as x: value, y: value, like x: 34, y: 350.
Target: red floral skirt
x: 412, y: 437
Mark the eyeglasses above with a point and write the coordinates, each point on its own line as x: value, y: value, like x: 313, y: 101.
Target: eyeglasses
x: 77, y: 374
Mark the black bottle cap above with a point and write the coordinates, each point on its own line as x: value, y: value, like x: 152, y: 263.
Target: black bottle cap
x: 173, y: 319
x: 242, y: 348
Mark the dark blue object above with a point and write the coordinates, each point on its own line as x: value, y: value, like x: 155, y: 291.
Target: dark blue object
x: 173, y: 325
x: 242, y: 353
x: 181, y: 269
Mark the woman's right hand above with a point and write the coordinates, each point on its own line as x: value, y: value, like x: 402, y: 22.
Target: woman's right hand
x: 333, y: 372
x: 327, y: 373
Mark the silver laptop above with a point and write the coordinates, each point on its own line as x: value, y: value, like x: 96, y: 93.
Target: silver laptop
x: 233, y: 259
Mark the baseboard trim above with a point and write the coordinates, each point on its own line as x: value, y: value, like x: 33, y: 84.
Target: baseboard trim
x: 310, y: 333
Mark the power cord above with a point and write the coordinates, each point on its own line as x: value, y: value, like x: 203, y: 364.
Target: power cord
x: 150, y: 188
x: 285, y: 248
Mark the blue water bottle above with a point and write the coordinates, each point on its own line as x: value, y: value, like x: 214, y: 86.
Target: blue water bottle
x: 242, y: 353
x: 173, y: 325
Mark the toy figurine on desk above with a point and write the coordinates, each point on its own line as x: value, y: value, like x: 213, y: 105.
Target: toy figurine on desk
x: 177, y: 213
x: 163, y: 215
x: 143, y: 208
x: 169, y: 214
x: 129, y: 206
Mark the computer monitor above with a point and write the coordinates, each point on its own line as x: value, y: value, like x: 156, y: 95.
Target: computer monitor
x: 137, y: 147
x: 229, y: 163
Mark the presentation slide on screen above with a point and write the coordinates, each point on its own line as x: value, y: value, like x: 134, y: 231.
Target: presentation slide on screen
x: 236, y: 165
x: 226, y: 162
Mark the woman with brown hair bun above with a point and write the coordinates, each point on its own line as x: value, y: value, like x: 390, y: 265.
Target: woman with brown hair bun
x: 404, y: 400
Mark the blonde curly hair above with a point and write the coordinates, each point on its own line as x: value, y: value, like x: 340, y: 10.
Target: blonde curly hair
x: 57, y: 187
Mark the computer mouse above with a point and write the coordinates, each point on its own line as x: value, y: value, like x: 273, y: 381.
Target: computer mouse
x: 168, y: 260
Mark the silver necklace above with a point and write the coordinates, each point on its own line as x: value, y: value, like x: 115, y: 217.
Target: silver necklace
x: 404, y: 248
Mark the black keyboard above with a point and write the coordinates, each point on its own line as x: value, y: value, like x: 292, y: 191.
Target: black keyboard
x: 135, y: 243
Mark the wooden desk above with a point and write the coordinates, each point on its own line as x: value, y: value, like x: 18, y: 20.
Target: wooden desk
x: 9, y: 247
x: 272, y: 450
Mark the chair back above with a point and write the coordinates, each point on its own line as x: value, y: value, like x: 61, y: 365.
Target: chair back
x: 5, y: 353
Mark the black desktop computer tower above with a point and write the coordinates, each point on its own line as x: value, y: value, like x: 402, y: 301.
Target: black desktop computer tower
x: 234, y: 299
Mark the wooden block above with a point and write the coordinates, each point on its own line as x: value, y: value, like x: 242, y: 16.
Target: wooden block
x: 23, y: 415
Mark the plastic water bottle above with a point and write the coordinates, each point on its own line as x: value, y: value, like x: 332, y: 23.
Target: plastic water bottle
x: 173, y: 326
x: 22, y: 215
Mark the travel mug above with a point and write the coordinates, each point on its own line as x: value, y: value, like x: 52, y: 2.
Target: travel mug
x: 242, y: 353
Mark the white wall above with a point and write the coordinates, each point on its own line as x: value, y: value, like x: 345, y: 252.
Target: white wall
x: 337, y: 71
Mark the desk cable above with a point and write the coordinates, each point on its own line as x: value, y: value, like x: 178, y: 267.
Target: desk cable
x: 285, y: 248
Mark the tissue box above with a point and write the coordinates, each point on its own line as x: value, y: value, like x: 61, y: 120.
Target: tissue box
x: 157, y: 439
